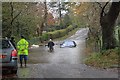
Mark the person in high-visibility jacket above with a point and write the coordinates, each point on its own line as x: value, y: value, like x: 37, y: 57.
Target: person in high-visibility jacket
x: 22, y: 48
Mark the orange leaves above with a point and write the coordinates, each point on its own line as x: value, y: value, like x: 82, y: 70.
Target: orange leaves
x: 50, y: 19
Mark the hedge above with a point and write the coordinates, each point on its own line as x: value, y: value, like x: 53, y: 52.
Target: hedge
x: 54, y: 34
x: 60, y: 33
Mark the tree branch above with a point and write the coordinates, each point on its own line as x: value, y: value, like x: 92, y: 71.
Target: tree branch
x: 13, y: 18
x: 11, y: 4
x: 99, y: 5
x: 16, y: 16
x: 102, y: 12
x: 103, y: 8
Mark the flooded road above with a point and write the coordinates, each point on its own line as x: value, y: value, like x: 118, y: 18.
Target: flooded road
x: 63, y: 62
x: 61, y: 55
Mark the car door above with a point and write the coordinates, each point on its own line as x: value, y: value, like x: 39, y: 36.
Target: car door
x: 5, y: 51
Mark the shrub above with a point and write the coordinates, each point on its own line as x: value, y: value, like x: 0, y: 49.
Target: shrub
x: 44, y: 37
x: 69, y: 28
x: 53, y: 35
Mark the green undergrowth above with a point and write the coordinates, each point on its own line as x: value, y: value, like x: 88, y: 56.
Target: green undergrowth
x: 67, y: 35
x: 105, y: 59
x: 55, y: 35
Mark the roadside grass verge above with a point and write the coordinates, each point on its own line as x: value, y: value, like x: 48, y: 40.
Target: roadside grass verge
x: 105, y: 59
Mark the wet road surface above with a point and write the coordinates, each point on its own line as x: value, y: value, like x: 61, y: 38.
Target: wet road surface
x: 61, y: 55
x: 63, y: 71
x: 63, y: 62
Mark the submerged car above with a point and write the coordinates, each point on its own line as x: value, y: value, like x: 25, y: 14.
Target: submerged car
x: 68, y: 44
x: 8, y: 56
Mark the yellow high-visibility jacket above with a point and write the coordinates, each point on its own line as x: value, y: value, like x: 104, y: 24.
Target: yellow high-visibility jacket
x: 22, y: 47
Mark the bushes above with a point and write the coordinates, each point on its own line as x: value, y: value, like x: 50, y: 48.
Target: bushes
x: 69, y: 28
x: 59, y: 33
x: 117, y: 34
x: 53, y: 35
x: 62, y: 32
x: 44, y: 37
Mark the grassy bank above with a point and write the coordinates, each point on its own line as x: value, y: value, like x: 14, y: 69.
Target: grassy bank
x: 105, y: 59
x: 102, y: 59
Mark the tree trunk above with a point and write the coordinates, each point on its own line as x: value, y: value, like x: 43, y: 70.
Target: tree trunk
x: 44, y: 23
x: 41, y: 29
x: 108, y: 23
x: 60, y: 15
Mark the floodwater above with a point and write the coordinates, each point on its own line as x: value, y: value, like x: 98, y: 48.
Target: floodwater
x: 61, y: 55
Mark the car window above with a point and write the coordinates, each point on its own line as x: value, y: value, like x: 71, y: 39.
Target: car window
x: 4, y: 44
x: 68, y: 43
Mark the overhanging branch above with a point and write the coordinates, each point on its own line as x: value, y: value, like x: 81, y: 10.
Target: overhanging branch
x: 16, y: 16
x: 103, y: 8
x: 103, y: 12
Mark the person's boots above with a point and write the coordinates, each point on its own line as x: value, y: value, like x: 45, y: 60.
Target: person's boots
x: 25, y: 63
x: 21, y: 64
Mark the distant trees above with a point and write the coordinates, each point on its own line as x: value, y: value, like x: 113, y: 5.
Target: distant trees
x: 28, y: 18
x: 58, y: 8
x: 21, y: 18
x: 11, y: 11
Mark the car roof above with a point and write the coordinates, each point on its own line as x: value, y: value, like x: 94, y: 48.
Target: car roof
x: 68, y: 41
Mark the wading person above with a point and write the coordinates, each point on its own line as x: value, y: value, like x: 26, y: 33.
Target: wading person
x: 22, y: 47
x: 50, y: 45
